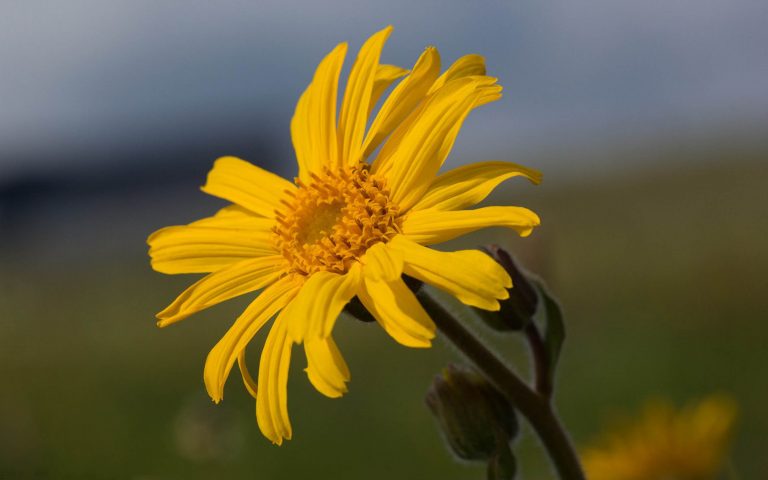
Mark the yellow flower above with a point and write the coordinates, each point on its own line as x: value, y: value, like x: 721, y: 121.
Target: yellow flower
x: 666, y: 444
x: 345, y: 227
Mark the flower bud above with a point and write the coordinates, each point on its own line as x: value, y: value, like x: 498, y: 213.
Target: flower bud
x: 477, y: 421
x: 520, y: 307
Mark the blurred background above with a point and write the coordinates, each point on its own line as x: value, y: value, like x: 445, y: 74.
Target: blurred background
x: 648, y: 119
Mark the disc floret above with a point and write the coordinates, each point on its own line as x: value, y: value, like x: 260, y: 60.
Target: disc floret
x: 331, y: 221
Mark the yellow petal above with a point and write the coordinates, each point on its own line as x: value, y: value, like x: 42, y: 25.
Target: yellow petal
x: 199, y: 248
x: 403, y: 99
x: 313, y: 126
x: 470, y: 275
x: 222, y: 357
x: 385, y: 76
x: 326, y: 368
x: 250, y: 383
x: 398, y: 311
x: 466, y: 66
x: 412, y: 156
x: 301, y: 136
x: 313, y: 312
x: 235, y: 216
x: 383, y: 263
x: 468, y: 185
x: 357, y: 97
x: 247, y: 185
x: 229, y: 282
x: 435, y: 226
x: 272, y: 395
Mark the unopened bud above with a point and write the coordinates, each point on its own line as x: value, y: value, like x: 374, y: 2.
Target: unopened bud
x: 520, y: 307
x: 477, y: 421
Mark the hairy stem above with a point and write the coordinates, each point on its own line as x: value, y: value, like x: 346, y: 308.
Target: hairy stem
x: 536, y: 408
x: 540, y: 360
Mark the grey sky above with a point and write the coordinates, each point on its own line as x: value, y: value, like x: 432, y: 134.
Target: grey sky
x: 85, y: 73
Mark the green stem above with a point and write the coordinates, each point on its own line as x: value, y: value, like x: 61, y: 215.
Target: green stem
x: 540, y: 359
x: 536, y: 408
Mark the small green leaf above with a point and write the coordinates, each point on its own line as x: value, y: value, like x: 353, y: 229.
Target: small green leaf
x: 554, y: 329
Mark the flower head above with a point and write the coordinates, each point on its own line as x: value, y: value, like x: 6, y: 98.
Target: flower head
x: 666, y: 444
x: 347, y: 226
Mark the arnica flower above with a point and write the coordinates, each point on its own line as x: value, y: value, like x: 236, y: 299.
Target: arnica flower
x: 349, y: 224
x: 666, y: 444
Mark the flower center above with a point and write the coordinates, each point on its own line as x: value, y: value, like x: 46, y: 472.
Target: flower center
x: 329, y: 223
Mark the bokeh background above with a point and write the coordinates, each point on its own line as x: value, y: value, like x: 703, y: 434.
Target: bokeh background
x: 648, y: 119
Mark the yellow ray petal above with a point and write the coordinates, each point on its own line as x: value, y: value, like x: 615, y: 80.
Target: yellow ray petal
x: 468, y: 185
x: 301, y: 129
x: 201, y: 249
x: 357, y: 97
x: 466, y: 66
x: 222, y: 357
x: 250, y: 383
x: 398, y: 311
x: 326, y: 368
x: 313, y: 312
x: 385, y: 76
x: 235, y: 216
x: 247, y: 185
x: 383, y: 263
x: 313, y: 126
x: 229, y: 282
x: 412, y: 156
x: 435, y: 226
x: 403, y: 99
x: 470, y: 275
x: 272, y: 395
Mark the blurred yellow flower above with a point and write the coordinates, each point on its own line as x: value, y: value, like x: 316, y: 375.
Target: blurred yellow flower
x: 346, y: 227
x: 666, y: 444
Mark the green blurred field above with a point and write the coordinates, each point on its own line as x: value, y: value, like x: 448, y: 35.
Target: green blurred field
x: 662, y: 276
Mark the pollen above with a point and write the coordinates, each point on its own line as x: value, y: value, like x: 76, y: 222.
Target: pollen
x: 330, y: 222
